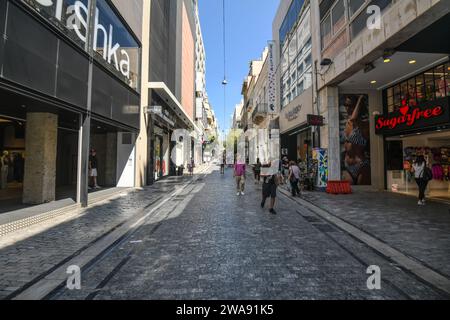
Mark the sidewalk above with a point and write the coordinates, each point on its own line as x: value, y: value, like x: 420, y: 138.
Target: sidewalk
x: 422, y: 233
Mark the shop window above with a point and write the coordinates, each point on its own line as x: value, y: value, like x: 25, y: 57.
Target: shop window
x: 412, y: 93
x: 390, y: 99
x: 420, y: 88
x: 397, y: 98
x: 429, y: 86
x: 447, y: 78
x: 439, y: 81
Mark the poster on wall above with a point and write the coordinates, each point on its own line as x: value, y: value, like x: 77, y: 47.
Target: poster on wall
x: 320, y: 157
x: 354, y: 132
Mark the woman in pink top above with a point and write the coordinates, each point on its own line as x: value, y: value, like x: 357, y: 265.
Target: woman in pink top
x: 239, y: 174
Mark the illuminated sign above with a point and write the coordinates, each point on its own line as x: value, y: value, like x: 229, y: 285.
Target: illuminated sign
x: 407, y: 118
x: 314, y: 120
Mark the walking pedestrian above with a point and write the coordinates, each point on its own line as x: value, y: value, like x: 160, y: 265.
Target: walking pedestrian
x: 285, y: 168
x: 93, y: 168
x: 222, y: 163
x: 294, y: 178
x: 239, y: 175
x: 423, y: 175
x: 257, y: 171
x: 269, y: 190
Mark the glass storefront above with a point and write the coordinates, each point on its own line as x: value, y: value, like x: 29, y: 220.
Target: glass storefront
x: 417, y: 123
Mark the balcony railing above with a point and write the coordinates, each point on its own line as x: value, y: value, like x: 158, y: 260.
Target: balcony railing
x: 260, y: 113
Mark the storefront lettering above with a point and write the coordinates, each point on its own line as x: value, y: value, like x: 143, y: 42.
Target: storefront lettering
x: 76, y: 20
x: 409, y: 116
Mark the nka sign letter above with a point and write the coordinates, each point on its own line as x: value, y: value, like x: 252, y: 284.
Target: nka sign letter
x: 75, y: 18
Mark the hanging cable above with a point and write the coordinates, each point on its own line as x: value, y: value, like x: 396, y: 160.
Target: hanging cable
x: 224, y: 82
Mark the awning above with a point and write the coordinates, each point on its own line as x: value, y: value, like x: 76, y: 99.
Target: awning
x: 164, y: 92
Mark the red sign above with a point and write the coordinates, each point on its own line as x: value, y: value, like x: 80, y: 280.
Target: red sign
x: 314, y: 120
x: 413, y: 117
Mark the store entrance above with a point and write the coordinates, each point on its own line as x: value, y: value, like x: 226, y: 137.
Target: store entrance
x: 14, y: 155
x: 402, y: 152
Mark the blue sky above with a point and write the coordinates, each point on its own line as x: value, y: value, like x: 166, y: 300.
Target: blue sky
x: 248, y: 28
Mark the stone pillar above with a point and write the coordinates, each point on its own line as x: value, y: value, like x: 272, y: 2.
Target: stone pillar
x: 40, y: 158
x: 329, y: 99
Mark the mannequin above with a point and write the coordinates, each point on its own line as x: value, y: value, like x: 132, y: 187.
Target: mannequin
x: 4, y: 162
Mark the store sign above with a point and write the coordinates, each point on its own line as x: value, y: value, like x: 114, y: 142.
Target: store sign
x: 293, y: 114
x: 73, y: 14
x: 314, y: 120
x: 414, y: 117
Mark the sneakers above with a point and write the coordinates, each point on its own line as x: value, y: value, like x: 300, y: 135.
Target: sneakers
x: 421, y: 203
x: 238, y: 194
x: 242, y: 194
x: 272, y: 211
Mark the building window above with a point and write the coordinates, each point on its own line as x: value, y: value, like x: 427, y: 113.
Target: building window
x: 308, y: 61
x: 428, y: 86
x: 338, y: 16
x: 354, y: 6
x: 325, y: 32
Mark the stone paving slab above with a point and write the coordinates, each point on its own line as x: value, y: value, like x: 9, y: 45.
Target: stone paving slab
x: 221, y: 246
x: 27, y: 259
x: 419, y: 232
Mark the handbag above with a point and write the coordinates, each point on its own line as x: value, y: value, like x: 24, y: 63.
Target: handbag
x: 427, y: 174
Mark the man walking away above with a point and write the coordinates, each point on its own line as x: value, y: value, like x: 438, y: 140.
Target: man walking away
x: 294, y: 178
x: 239, y: 174
x: 269, y: 189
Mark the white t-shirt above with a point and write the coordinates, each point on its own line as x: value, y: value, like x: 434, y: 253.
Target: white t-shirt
x: 295, y: 171
x: 418, y: 170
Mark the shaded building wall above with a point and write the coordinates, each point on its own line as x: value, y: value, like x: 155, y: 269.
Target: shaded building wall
x: 188, y: 65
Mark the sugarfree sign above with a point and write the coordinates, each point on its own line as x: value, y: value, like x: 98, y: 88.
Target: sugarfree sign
x: 75, y: 18
x: 414, y: 117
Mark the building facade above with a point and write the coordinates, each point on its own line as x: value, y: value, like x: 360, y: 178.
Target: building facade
x: 292, y: 34
x: 383, y: 88
x: 170, y: 88
x: 70, y: 82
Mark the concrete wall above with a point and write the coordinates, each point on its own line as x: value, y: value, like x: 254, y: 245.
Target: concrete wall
x: 188, y: 65
x: 400, y: 22
x: 304, y: 101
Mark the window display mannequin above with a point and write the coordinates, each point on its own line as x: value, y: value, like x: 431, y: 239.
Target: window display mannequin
x: 4, y: 169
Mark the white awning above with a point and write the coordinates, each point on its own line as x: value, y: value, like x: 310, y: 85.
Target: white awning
x: 164, y: 92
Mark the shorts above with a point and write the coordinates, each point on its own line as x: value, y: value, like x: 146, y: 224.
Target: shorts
x: 93, y: 173
x: 269, y: 190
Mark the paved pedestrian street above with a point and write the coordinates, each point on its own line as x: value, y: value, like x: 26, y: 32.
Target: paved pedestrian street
x: 197, y: 240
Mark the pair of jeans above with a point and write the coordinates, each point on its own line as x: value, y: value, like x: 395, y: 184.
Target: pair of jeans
x: 240, y: 183
x: 422, y: 184
x: 294, y: 187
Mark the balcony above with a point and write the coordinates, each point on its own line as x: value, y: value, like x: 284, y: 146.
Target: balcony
x: 260, y: 113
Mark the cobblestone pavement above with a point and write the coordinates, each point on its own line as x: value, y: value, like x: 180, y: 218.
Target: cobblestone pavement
x: 209, y: 243
x: 26, y: 260
x: 419, y: 232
